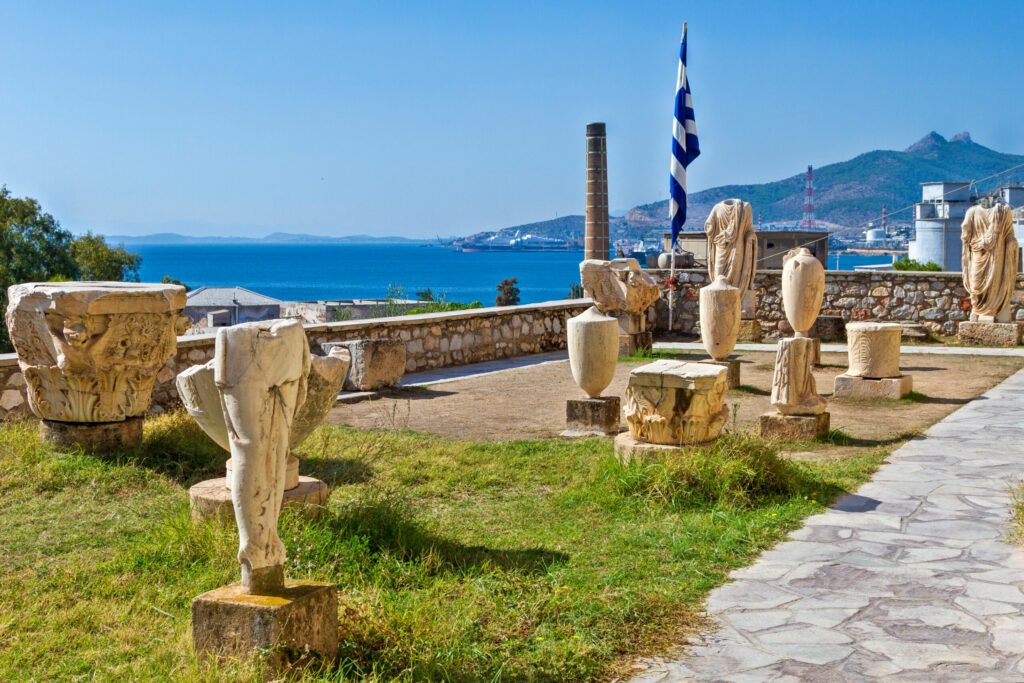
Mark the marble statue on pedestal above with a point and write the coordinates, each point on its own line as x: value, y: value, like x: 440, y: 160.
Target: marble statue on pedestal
x: 990, y: 261
x: 593, y: 341
x: 719, y: 318
x: 732, y: 245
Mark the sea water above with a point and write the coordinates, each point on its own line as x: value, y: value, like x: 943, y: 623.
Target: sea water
x: 301, y: 272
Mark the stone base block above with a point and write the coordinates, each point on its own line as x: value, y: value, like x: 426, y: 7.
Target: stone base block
x: 888, y: 388
x: 211, y: 499
x: 628, y: 448
x: 630, y: 344
x: 376, y: 363
x: 294, y: 627
x: 793, y: 427
x: 95, y: 437
x: 732, y: 367
x: 977, y: 333
x: 816, y: 352
x: 592, y: 417
x: 750, y: 331
x: 827, y: 327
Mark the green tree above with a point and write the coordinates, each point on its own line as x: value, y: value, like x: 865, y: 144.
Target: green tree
x: 34, y: 248
x: 910, y: 264
x: 97, y: 260
x: 168, y: 280
x: 508, y: 293
x: 425, y: 295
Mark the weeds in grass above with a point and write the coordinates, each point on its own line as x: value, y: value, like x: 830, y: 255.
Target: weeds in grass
x: 736, y: 470
x: 1016, y: 534
x: 915, y: 397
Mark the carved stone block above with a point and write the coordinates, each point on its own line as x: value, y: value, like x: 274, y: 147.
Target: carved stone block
x: 732, y: 367
x: 674, y: 403
x: 618, y: 286
x: 749, y: 332
x: 976, y: 333
x: 376, y: 363
x: 90, y: 351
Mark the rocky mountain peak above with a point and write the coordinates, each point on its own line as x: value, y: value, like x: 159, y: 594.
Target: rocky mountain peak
x: 928, y: 143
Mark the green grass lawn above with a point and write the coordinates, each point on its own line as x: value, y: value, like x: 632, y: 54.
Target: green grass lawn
x: 524, y: 560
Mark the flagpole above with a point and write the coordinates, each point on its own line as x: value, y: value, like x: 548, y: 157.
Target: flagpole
x: 672, y: 255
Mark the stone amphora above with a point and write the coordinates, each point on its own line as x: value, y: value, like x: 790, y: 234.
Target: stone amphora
x: 593, y: 340
x: 719, y: 317
x: 803, y: 288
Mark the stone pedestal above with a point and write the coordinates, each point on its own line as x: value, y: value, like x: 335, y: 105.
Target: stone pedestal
x: 634, y: 337
x: 884, y: 388
x: 732, y: 370
x: 93, y: 437
x: 376, y: 363
x: 750, y: 331
x: 211, y: 499
x: 675, y: 403
x: 296, y: 626
x: 628, y: 448
x: 978, y: 333
x: 592, y: 417
x: 793, y: 427
x: 816, y: 352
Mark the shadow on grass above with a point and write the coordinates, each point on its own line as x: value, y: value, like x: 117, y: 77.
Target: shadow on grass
x: 837, y: 437
x: 921, y: 368
x: 415, y: 393
x: 337, y: 471
x: 918, y: 397
x: 386, y: 525
x: 751, y: 389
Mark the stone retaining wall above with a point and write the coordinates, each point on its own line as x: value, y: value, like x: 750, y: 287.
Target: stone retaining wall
x: 938, y: 300
x: 433, y: 340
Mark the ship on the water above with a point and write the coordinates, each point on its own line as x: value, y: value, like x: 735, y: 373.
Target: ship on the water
x: 517, y: 242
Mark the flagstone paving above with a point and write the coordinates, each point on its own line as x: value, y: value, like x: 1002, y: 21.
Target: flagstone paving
x: 909, y: 578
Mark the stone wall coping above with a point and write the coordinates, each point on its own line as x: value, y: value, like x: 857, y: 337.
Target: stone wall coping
x: 205, y: 340
x: 829, y: 273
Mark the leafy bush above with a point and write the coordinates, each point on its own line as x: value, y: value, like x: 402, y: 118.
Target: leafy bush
x: 443, y: 306
x: 911, y: 264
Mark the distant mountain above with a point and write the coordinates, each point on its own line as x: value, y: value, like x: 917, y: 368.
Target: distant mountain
x: 273, y: 238
x: 847, y: 194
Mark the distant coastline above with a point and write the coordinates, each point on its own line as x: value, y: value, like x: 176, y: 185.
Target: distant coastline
x: 170, y: 238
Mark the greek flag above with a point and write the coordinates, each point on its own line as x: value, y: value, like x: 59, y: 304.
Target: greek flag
x: 685, y: 147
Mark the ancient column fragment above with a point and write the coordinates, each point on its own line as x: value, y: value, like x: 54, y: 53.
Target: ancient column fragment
x: 597, y: 239
x: 622, y: 290
x: 874, y: 363
x: 719, y: 317
x: 90, y: 353
x: 675, y: 403
x: 793, y: 388
x: 799, y: 410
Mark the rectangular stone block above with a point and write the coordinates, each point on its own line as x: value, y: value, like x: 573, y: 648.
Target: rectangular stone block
x: 298, y: 626
x: 732, y: 367
x: 793, y: 427
x: 592, y: 416
x: 887, y: 388
x: 376, y: 363
x: 977, y: 333
x: 750, y: 331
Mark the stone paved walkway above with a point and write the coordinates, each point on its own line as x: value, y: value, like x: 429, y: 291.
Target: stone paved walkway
x: 912, y: 349
x: 908, y: 579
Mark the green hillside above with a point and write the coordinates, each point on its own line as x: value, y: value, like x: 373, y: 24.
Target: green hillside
x: 851, y: 193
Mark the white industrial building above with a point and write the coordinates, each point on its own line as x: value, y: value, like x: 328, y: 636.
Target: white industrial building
x: 937, y: 223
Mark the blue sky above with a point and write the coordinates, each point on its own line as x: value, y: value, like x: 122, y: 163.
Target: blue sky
x: 424, y: 118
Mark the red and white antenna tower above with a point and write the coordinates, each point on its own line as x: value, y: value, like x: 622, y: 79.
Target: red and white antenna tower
x: 885, y: 221
x: 808, y: 223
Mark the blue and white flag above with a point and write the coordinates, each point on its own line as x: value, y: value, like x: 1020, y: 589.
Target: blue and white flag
x: 685, y: 147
